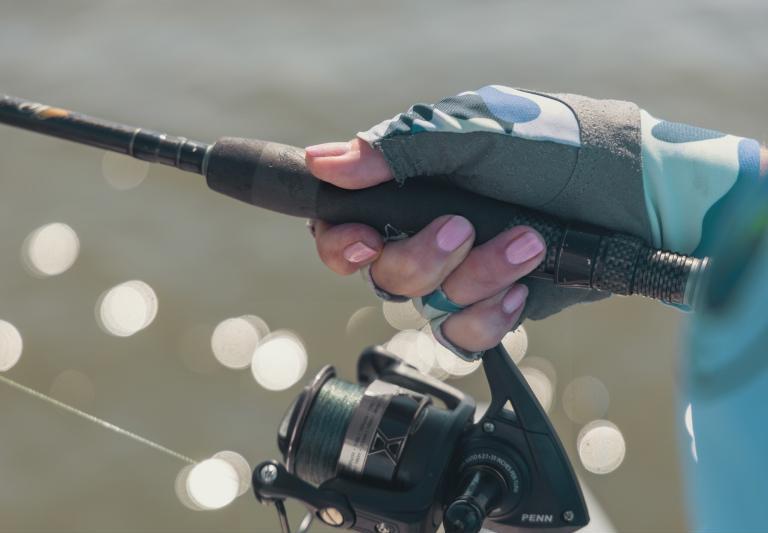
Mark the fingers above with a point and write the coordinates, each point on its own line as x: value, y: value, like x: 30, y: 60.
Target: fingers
x: 351, y: 165
x: 495, y: 265
x: 418, y: 265
x: 347, y: 248
x: 441, y: 255
x: 481, y: 326
x: 485, y: 281
x: 411, y: 267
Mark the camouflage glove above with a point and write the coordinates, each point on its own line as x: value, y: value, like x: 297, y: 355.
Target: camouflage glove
x: 604, y: 162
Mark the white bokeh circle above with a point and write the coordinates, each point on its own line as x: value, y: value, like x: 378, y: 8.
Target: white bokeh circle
x: 279, y: 361
x: 516, y: 343
x: 601, y: 447
x: 122, y: 172
x: 234, y: 340
x: 11, y: 346
x: 50, y: 250
x: 127, y: 308
x: 212, y: 484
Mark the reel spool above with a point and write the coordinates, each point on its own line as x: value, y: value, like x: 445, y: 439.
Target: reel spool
x: 398, y: 452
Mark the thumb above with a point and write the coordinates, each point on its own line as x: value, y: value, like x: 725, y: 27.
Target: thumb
x: 349, y: 165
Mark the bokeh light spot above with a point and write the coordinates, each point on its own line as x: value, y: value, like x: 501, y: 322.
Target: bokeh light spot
x: 212, y: 484
x: 415, y: 348
x: 74, y: 388
x: 127, y: 308
x: 403, y: 315
x: 361, y: 319
x: 279, y: 361
x: 601, y: 447
x: 123, y: 172
x: 241, y: 466
x: 50, y: 250
x: 689, y: 420
x: 585, y: 398
x: 235, y: 339
x: 540, y: 384
x: 448, y: 361
x: 480, y: 411
x: 11, y: 346
x: 545, y: 366
x: 516, y: 344
x: 180, y: 487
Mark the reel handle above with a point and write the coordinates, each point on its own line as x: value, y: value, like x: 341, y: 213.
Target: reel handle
x: 274, y: 176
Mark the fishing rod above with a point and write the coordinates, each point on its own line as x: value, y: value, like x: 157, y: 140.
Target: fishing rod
x: 274, y: 176
x: 398, y: 451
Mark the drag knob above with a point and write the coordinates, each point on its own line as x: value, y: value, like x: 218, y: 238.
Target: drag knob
x: 482, y: 488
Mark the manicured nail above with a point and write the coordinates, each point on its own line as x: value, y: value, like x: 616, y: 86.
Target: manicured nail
x: 358, y: 252
x: 453, y: 233
x: 327, y: 149
x: 514, y: 299
x: 525, y: 247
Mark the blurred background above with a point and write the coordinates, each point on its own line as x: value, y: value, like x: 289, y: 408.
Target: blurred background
x: 300, y: 73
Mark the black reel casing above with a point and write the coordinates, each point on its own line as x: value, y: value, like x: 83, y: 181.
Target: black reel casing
x: 406, y: 464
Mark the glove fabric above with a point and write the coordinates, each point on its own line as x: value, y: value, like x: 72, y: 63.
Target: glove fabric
x: 603, y: 162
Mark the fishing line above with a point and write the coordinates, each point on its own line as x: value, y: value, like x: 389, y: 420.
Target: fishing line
x: 98, y: 421
x: 323, y: 434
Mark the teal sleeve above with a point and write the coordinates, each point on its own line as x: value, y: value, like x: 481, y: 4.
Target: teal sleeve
x: 688, y: 174
x: 725, y: 373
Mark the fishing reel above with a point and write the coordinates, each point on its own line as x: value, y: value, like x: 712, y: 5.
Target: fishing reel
x: 399, y: 452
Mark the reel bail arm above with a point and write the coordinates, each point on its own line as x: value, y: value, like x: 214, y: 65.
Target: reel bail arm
x: 272, y: 483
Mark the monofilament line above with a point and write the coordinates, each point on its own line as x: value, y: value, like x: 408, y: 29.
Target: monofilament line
x: 96, y: 420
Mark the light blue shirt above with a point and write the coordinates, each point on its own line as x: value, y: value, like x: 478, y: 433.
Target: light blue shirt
x: 726, y: 375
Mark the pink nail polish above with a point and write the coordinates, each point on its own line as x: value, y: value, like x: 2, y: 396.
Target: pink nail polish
x: 514, y: 299
x: 524, y: 248
x: 327, y: 149
x: 358, y: 252
x: 453, y: 233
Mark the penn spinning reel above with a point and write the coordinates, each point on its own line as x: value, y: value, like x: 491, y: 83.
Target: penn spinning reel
x: 399, y: 453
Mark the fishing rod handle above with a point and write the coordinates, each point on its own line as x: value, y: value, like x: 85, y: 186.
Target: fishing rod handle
x: 275, y: 177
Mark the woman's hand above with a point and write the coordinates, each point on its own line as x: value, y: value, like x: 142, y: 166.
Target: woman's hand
x: 481, y: 279
x: 566, y: 155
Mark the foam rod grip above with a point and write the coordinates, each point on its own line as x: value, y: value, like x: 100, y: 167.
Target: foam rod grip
x: 274, y: 176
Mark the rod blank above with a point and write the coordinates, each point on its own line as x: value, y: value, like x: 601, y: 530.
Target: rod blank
x: 147, y: 145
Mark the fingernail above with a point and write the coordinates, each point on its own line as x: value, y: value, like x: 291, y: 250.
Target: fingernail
x: 514, y: 299
x: 327, y: 149
x: 358, y: 252
x: 311, y: 226
x: 525, y: 247
x: 453, y: 233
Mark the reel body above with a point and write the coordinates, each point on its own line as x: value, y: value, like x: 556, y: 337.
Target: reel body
x: 399, y: 453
